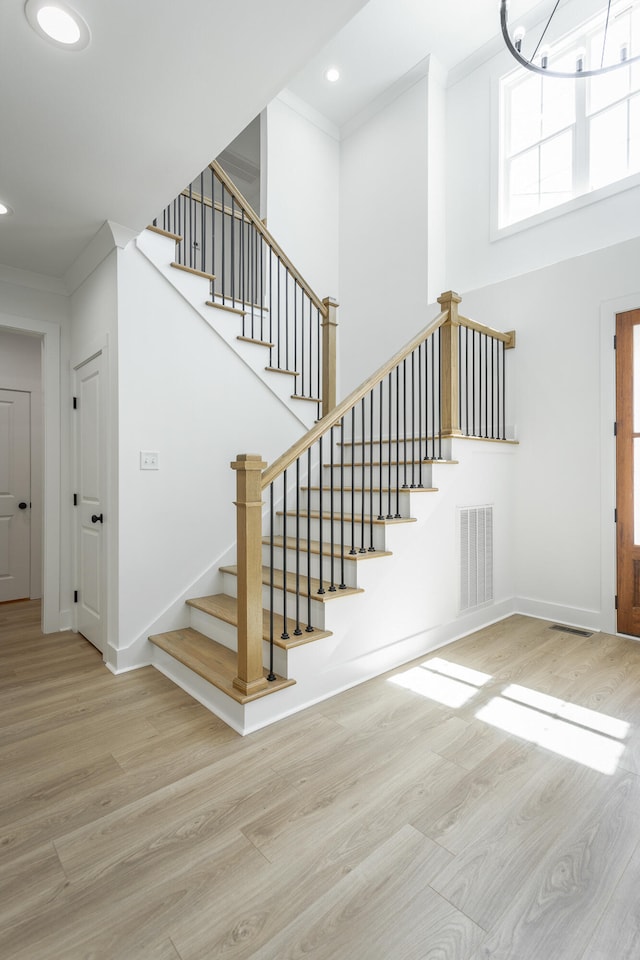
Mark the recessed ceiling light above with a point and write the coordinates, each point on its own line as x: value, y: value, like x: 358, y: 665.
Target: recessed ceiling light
x: 5, y: 209
x: 332, y: 74
x: 58, y: 23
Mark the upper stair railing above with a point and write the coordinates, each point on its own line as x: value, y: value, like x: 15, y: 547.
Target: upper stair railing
x: 327, y: 495
x: 225, y: 239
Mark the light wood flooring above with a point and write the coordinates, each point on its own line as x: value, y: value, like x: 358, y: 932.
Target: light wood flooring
x: 379, y: 825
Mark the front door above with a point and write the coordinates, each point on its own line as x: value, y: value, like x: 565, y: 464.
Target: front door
x: 628, y: 469
x: 15, y: 494
x: 90, y: 488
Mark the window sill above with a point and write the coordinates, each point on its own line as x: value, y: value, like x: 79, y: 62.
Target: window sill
x: 577, y: 203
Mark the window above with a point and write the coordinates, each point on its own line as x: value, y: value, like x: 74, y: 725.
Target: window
x: 562, y: 138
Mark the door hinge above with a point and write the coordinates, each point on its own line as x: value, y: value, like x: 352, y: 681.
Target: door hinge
x: 615, y: 342
x: 75, y: 403
x: 615, y: 429
x: 615, y: 515
x: 75, y: 596
x: 75, y: 499
x: 616, y: 601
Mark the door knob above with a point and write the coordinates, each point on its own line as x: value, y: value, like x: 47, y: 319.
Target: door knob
x: 22, y: 505
x: 95, y: 518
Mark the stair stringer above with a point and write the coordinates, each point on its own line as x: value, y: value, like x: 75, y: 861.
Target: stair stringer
x: 410, y: 604
x: 160, y: 251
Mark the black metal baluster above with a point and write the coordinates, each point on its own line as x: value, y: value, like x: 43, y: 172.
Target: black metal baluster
x: 362, y: 470
x: 342, y: 545
x: 486, y: 386
x: 504, y: 394
x: 404, y: 417
x: 232, y: 257
x: 261, y: 242
x: 213, y: 228
x: 439, y: 396
x: 295, y: 335
x: 190, y: 208
x: 397, y: 513
x: 321, y: 589
x: 381, y: 429
x: 297, y: 632
x: 413, y: 425
x: 285, y: 635
x: 421, y: 349
x: 309, y: 628
x: 371, y: 398
x: 302, y: 358
x: 473, y: 379
x: 493, y: 427
x: 319, y: 363
x: 286, y: 317
x: 466, y: 379
x: 433, y: 391
x: 279, y: 326
x: 353, y: 482
x: 223, y: 246
x: 271, y: 570
x: 270, y: 305
x: 389, y: 445
x: 332, y: 585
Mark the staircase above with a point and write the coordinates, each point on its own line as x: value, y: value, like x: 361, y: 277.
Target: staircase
x: 346, y: 545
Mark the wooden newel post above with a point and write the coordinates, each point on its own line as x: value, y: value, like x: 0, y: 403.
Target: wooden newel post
x: 329, y: 325
x: 449, y: 366
x: 249, y: 467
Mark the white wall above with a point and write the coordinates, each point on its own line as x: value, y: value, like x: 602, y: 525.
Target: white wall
x: 21, y: 369
x: 562, y: 385
x: 383, y: 233
x: 302, y: 190
x: 473, y: 257
x: 185, y: 394
x: 38, y: 306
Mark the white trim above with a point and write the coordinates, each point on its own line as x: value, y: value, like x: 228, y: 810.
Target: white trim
x: 417, y: 73
x: 305, y: 110
x: 577, y: 203
x: 608, y: 546
x: 51, y: 434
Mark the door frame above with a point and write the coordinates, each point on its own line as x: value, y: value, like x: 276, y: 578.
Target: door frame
x: 52, y: 618
x: 608, y: 475
x: 102, y: 352
x: 34, y: 391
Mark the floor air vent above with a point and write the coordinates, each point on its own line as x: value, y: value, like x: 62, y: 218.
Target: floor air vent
x: 574, y: 630
x: 476, y: 556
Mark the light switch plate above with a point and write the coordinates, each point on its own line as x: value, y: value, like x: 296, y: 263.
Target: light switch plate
x: 149, y: 460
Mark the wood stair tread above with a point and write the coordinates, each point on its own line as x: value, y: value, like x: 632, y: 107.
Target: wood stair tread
x: 225, y: 608
x: 224, y: 306
x: 315, y: 515
x: 165, y: 233
x: 197, y: 273
x: 387, y: 463
x: 314, y: 547
x: 212, y: 661
x: 279, y: 582
x: 259, y: 343
x: 383, y: 490
x: 291, y: 373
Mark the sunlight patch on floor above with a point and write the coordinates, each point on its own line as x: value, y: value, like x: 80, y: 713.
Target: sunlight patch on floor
x: 587, y: 736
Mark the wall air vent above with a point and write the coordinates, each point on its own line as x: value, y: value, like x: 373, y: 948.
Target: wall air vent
x: 476, y: 556
x: 574, y: 630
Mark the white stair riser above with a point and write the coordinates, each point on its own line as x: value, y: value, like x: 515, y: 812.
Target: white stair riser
x: 389, y: 450
x: 359, y: 501
x: 227, y: 634
x: 370, y: 476
x: 342, y: 533
x: 317, y: 607
x: 350, y: 568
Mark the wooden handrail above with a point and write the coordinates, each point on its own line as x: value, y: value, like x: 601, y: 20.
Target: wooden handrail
x: 321, y: 427
x: 509, y: 339
x: 262, y: 230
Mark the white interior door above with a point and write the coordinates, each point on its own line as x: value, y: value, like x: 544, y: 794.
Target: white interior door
x: 15, y: 494
x: 90, y: 487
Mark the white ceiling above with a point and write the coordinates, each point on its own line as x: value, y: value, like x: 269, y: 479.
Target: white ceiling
x: 388, y: 37
x: 114, y: 131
